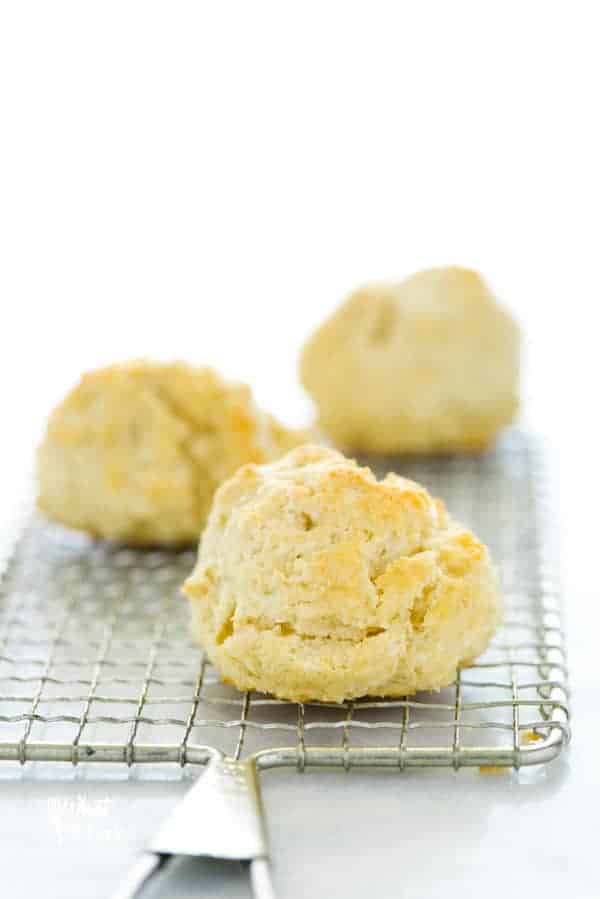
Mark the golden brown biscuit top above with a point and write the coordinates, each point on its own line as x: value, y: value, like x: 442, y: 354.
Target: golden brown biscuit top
x: 318, y: 543
x: 315, y: 580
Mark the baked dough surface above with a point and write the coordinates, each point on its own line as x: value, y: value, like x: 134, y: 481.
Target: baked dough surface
x: 430, y: 365
x: 315, y: 581
x: 136, y: 451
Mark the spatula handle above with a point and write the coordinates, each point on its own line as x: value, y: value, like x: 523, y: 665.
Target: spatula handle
x: 139, y: 874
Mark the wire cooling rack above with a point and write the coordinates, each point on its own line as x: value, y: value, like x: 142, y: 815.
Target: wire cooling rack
x: 96, y: 663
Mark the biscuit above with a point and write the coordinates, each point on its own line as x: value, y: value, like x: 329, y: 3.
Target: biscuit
x: 430, y: 365
x: 316, y: 581
x: 136, y: 451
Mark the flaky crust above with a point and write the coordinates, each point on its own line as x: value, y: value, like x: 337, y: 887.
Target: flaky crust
x: 136, y: 451
x: 430, y: 365
x: 315, y: 581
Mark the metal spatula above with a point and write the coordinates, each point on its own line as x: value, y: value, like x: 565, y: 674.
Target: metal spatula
x: 220, y: 817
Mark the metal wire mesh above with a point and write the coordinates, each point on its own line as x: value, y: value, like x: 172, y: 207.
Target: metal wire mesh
x: 96, y: 662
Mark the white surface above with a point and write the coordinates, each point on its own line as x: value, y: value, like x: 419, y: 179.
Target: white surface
x: 206, y: 181
x: 416, y: 834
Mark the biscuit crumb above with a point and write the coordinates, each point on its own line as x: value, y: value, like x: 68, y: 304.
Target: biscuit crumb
x: 530, y: 736
x: 494, y: 769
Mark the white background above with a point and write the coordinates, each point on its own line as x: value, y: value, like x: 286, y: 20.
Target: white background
x: 206, y: 181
